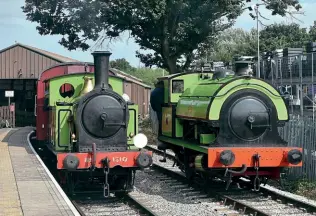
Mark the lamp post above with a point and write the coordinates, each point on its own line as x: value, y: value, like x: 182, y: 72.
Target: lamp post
x: 256, y: 9
x: 258, y: 40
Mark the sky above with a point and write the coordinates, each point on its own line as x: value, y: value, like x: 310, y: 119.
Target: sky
x: 15, y: 28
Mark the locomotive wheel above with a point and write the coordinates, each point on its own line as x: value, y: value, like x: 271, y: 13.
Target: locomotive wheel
x: 123, y: 184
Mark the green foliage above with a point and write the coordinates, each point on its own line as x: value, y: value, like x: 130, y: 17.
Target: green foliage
x: 312, y: 32
x: 233, y: 42
x: 301, y: 187
x: 148, y: 75
x: 121, y: 64
x: 278, y: 36
x: 173, y: 29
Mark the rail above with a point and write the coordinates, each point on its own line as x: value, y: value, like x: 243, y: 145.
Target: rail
x: 134, y: 201
x: 109, y: 205
x: 77, y: 206
x: 229, y: 200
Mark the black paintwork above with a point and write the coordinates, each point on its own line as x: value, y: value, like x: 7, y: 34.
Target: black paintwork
x: 248, y: 118
x: 294, y: 156
x: 102, y: 114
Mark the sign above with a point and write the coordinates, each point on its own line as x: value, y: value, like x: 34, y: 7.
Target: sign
x: 12, y: 107
x: 9, y: 93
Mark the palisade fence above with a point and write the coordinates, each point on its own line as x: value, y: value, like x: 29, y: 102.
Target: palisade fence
x: 301, y: 132
x: 7, y: 118
x: 294, y: 75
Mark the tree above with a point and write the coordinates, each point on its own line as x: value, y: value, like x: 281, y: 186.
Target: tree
x: 233, y: 42
x: 312, y: 32
x: 175, y: 30
x: 278, y: 36
x: 121, y: 64
x: 147, y: 75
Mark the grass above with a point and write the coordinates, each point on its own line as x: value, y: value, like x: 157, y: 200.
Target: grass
x: 301, y: 186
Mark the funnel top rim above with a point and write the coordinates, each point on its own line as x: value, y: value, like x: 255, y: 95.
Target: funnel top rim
x: 106, y: 53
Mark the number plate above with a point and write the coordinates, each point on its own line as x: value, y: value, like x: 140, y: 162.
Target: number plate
x: 119, y: 159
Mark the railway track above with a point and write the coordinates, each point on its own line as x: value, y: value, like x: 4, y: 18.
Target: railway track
x: 245, y: 201
x: 128, y: 205
x: 163, y: 190
x: 157, y: 194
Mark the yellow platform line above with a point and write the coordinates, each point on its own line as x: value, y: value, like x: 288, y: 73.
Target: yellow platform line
x: 9, y: 197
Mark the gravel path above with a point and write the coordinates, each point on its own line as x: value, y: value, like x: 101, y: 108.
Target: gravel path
x: 267, y: 186
x: 256, y: 200
x: 113, y: 207
x: 167, y: 196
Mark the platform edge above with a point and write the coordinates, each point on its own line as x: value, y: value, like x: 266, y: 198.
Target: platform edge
x: 60, y: 190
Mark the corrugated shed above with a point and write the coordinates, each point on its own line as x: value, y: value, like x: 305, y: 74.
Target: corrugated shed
x: 20, y: 61
x: 129, y: 77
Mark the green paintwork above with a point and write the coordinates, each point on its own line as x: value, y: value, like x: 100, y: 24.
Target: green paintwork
x: 198, y: 162
x: 179, y: 128
x: 183, y: 143
x: 77, y: 81
x: 256, y: 84
x: 207, y: 138
x: 199, y: 105
x: 133, y: 112
x: 188, y: 78
x: 167, y: 118
x: 195, y: 101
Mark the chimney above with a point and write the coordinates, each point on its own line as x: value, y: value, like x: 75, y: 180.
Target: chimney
x: 101, y: 69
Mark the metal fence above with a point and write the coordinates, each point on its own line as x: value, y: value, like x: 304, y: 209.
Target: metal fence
x: 295, y: 77
x: 301, y: 132
x: 7, y: 118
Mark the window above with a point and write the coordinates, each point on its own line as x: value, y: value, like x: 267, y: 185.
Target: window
x: 177, y: 86
x: 66, y: 90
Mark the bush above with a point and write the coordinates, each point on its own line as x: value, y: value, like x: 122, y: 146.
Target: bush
x: 302, y: 187
x: 148, y: 75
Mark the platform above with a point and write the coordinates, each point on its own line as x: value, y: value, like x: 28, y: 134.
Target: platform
x: 26, y: 186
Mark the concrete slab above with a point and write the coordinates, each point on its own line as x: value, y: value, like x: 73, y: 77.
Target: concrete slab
x: 26, y: 186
